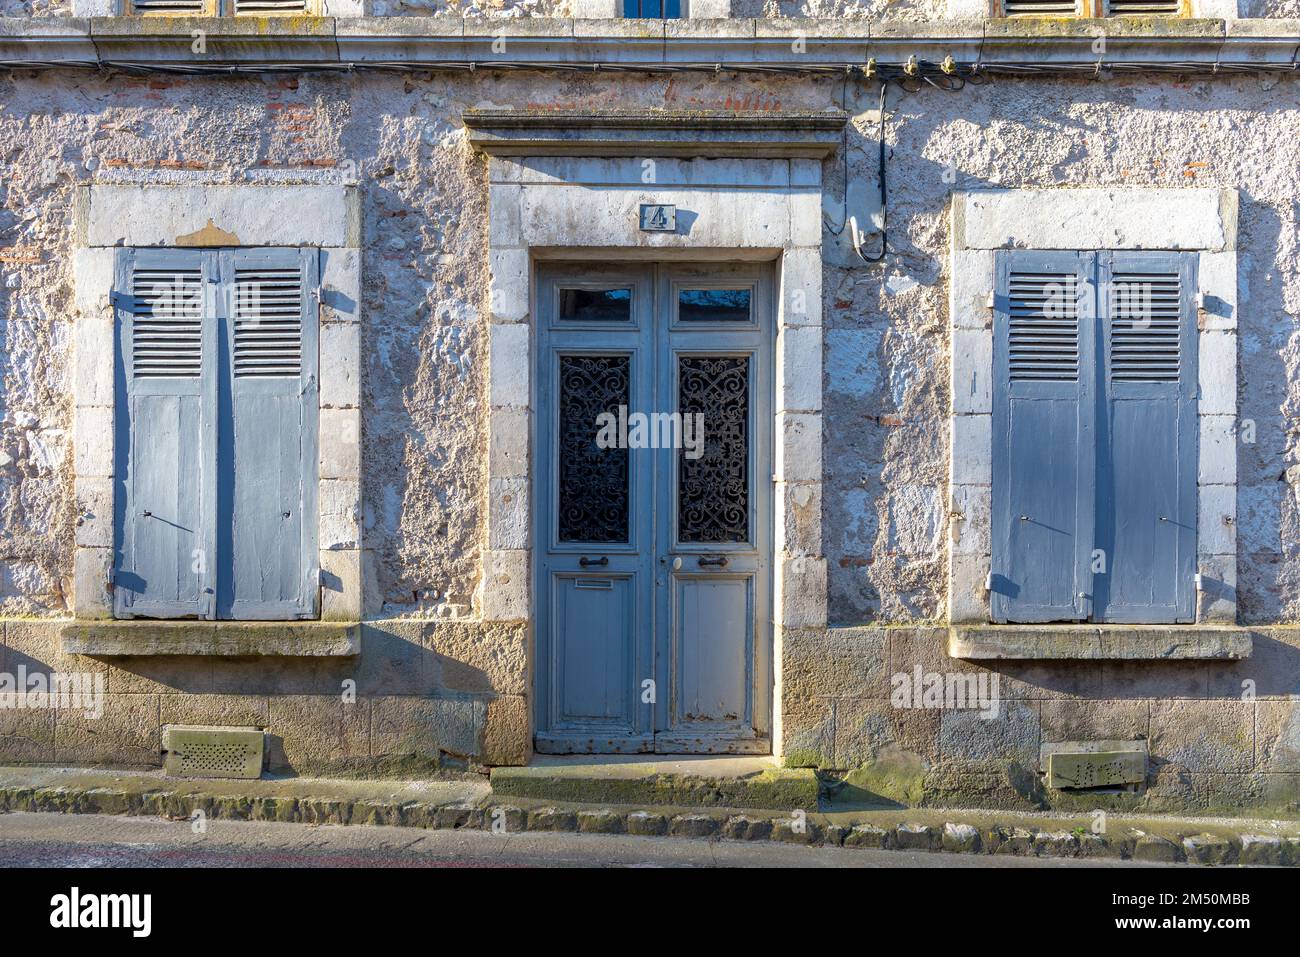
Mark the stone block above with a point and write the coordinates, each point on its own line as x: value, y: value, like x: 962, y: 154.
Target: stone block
x: 216, y: 710
x: 1006, y: 730
x: 1203, y: 735
x: 799, y: 532
x: 507, y: 735
x: 426, y: 727
x: 317, y: 733
x: 239, y: 215
x: 91, y: 570
x: 972, y: 371
x: 340, y: 590
x: 480, y: 657
x: 972, y: 450
x: 801, y: 592
x: 801, y: 287
x: 125, y: 733
x: 508, y: 286
x: 1102, y: 218
x: 341, y: 285
x: 1217, y: 372
x: 1076, y: 720
x: 799, y: 369
x: 340, y: 514
x: 798, y: 447
x: 92, y: 440
x: 340, y: 365
x: 509, y: 363
x: 508, y: 443
x: 340, y: 444
x: 95, y: 348
x: 94, y: 512
x: 505, y: 592
x: 1277, y: 736
x: 970, y: 286
x: 972, y: 507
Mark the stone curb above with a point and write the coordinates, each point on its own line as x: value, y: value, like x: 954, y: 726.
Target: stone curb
x: 952, y: 837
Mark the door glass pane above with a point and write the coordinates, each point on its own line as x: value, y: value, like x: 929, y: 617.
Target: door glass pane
x: 593, y: 481
x: 713, y: 471
x: 596, y: 305
x: 713, y: 305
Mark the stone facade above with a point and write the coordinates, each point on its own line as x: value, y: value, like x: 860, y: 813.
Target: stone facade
x: 425, y: 521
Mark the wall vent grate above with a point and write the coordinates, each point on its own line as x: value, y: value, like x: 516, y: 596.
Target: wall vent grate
x: 201, y: 751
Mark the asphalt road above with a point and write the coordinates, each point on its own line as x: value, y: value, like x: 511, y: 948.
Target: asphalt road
x: 55, y: 840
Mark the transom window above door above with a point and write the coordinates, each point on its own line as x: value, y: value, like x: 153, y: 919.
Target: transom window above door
x: 651, y: 9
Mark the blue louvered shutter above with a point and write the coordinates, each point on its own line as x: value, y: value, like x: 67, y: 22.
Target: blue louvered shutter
x: 268, y: 424
x: 1146, y: 509
x: 165, y: 435
x: 1043, y: 436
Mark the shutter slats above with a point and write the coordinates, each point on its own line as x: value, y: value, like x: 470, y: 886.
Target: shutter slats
x: 1038, y: 8
x: 268, y: 322
x: 167, y: 323
x: 1146, y: 322
x: 270, y: 6
x: 168, y: 6
x: 1044, y: 326
x: 1138, y: 8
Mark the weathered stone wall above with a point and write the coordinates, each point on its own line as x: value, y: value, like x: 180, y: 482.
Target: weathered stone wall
x: 439, y: 681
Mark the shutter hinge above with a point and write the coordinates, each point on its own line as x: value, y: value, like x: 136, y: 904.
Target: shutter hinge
x: 118, y: 299
x: 319, y: 295
x: 1199, y: 579
x: 988, y: 583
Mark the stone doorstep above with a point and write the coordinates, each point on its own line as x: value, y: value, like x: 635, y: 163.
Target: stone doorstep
x: 469, y: 804
x: 692, y: 781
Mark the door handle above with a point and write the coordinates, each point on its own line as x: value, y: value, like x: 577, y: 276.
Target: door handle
x: 719, y: 560
x: 586, y: 562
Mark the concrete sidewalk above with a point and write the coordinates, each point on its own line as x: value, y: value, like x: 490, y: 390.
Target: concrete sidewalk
x: 471, y: 805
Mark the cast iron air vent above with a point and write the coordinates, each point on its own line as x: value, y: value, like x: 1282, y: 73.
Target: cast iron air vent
x: 197, y: 751
x: 1098, y: 769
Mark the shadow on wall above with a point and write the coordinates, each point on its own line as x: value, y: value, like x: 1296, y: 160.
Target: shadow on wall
x: 409, y: 703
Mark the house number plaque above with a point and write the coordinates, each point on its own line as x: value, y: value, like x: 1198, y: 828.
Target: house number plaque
x: 658, y: 218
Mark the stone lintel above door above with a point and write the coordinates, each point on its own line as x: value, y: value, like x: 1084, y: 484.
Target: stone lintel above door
x: 693, y: 133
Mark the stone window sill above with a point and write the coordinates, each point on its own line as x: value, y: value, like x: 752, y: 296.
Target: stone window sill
x: 220, y: 639
x: 1099, y: 642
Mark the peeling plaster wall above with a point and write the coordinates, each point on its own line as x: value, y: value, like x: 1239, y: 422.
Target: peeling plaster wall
x: 423, y: 215
x: 424, y: 415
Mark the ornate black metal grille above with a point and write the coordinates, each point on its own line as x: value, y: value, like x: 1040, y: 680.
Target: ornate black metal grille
x: 593, y: 481
x: 713, y: 490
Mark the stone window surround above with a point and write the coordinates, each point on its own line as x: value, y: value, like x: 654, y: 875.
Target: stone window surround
x: 327, y: 217
x: 1091, y: 219
x: 570, y: 207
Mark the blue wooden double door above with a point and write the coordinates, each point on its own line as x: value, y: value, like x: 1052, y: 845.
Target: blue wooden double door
x: 1094, y: 437
x: 653, y: 508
